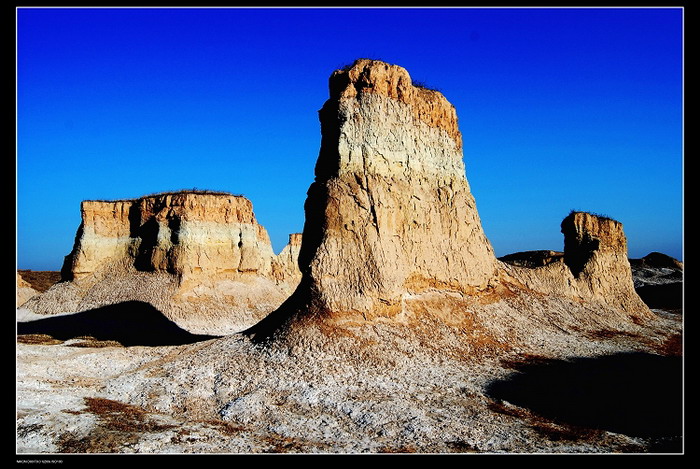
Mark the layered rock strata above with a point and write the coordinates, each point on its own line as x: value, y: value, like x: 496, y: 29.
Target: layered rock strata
x: 199, y: 257
x: 181, y: 233
x: 285, y: 267
x: 390, y: 211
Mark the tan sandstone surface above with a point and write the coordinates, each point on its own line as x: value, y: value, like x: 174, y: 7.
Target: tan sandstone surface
x: 402, y: 334
x: 24, y: 291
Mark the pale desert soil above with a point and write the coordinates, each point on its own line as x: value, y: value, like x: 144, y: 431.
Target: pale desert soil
x: 381, y: 388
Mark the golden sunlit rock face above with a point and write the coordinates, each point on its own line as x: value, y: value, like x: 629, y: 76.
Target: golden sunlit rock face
x: 390, y: 211
x: 180, y: 233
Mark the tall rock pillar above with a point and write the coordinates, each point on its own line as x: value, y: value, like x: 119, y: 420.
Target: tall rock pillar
x: 390, y: 211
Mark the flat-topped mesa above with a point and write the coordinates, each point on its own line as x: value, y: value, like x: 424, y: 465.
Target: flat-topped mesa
x: 390, y: 212
x: 199, y: 257
x: 181, y: 233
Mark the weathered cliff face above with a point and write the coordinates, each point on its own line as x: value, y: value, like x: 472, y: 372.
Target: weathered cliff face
x: 390, y: 211
x: 595, y: 250
x: 201, y: 258
x: 180, y: 233
x: 285, y: 267
x: 24, y: 291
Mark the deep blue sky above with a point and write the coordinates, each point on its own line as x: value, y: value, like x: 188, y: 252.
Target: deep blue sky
x: 560, y: 109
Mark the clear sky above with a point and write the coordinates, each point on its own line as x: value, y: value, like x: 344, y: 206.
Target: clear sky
x: 560, y: 110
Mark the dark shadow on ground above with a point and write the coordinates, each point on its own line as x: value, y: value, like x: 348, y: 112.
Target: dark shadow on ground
x: 129, y: 323
x: 636, y: 394
x: 668, y: 296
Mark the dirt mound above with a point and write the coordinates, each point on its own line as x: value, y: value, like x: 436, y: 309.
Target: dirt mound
x: 657, y: 260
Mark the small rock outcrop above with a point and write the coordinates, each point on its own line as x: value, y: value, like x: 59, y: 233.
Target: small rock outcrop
x: 24, y: 291
x: 594, y: 266
x: 285, y: 267
x: 199, y: 257
x: 658, y: 280
x: 657, y: 260
x: 595, y: 250
x: 531, y: 258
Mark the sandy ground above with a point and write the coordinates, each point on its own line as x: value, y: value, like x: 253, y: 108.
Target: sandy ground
x: 393, y: 394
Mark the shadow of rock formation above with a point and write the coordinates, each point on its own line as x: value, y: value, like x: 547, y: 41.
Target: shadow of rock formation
x: 129, y: 323
x: 667, y: 296
x: 637, y: 394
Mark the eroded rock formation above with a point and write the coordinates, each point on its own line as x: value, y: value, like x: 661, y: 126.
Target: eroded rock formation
x: 285, y: 267
x: 594, y: 266
x: 24, y: 291
x: 392, y: 230
x: 390, y: 211
x: 182, y: 233
x: 199, y: 257
x: 392, y: 233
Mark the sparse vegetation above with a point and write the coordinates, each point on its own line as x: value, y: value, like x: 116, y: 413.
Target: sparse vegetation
x: 37, y: 339
x: 401, y: 449
x: 225, y: 428
x: 174, y: 192
x: 672, y: 346
x: 556, y: 432
x: 599, y: 215
x: 91, y: 342
x: 545, y: 427
x: 120, y: 426
x: 348, y: 66
x: 283, y: 444
x: 459, y: 446
x: 115, y: 415
x: 422, y: 85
